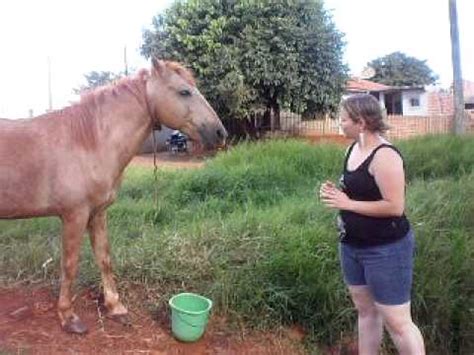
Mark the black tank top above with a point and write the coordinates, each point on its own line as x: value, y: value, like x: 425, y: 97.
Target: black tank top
x: 360, y: 230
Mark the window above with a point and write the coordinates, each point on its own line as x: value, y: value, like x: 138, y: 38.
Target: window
x: 415, y: 102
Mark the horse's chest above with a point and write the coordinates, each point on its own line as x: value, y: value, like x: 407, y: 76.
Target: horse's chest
x: 104, y: 193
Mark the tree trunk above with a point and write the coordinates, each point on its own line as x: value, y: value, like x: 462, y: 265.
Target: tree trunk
x: 275, y: 117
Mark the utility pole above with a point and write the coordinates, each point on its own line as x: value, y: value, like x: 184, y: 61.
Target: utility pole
x: 125, y: 60
x: 457, y: 76
x: 50, y: 95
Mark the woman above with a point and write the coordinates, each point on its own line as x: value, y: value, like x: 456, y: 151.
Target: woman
x: 377, y: 243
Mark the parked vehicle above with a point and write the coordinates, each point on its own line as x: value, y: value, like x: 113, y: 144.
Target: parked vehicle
x: 177, y: 143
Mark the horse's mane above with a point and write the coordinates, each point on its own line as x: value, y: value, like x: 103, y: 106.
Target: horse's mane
x: 85, y: 115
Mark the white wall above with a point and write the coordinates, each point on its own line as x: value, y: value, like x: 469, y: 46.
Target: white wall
x: 408, y: 109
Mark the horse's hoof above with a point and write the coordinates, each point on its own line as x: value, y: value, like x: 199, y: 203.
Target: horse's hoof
x: 123, y: 319
x: 75, y: 326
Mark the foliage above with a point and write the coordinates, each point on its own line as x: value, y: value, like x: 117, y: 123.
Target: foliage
x: 247, y: 231
x: 95, y: 79
x: 254, y: 57
x: 398, y: 69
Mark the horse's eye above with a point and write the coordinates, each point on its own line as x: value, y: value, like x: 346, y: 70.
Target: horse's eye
x: 185, y: 92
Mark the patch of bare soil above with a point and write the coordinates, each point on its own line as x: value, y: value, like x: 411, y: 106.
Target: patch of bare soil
x: 327, y: 138
x: 188, y: 160
x: 29, y: 325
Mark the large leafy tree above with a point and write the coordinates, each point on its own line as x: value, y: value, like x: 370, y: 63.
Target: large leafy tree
x: 254, y: 58
x: 398, y: 69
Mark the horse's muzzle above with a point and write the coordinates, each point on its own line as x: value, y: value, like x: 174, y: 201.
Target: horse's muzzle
x: 213, y: 137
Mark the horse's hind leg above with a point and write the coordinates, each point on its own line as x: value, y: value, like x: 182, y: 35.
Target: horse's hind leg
x: 74, y: 226
x: 100, y: 245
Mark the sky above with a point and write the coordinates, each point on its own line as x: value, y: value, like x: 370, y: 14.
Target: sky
x: 77, y: 37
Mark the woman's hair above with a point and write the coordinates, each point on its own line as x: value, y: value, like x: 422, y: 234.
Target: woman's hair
x: 365, y: 107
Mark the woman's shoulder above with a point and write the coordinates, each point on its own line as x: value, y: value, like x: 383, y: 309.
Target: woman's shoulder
x: 387, y: 154
x: 387, y: 148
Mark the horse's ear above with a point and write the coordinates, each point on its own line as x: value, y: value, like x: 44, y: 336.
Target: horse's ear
x: 158, y: 65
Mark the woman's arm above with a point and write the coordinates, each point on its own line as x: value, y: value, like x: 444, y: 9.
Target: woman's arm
x: 387, y: 169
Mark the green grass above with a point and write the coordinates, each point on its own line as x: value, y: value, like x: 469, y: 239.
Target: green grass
x: 248, y: 231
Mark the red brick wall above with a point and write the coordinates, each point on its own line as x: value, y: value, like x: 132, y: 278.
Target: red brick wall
x: 410, y: 126
x: 440, y: 103
x: 469, y: 119
x: 401, y: 126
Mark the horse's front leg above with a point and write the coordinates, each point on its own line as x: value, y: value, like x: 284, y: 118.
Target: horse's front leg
x: 100, y: 244
x: 74, y: 227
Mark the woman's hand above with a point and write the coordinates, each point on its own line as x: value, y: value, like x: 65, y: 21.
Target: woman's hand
x: 332, y: 197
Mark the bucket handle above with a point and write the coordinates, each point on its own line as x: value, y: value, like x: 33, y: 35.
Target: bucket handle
x: 187, y: 323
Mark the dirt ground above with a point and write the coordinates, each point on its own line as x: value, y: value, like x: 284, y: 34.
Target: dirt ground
x: 29, y: 325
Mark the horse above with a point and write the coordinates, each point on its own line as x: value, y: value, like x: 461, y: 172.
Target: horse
x: 69, y: 163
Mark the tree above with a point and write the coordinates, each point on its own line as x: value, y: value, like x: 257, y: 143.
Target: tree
x: 398, y: 69
x: 97, y: 78
x: 254, y: 58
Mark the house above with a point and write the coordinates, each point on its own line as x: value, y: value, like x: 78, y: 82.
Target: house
x: 397, y: 100
x: 411, y: 100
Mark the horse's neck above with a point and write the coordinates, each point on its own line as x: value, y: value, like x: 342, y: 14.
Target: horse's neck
x: 122, y: 127
x: 127, y: 127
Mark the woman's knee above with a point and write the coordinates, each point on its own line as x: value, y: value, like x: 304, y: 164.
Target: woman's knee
x: 363, y: 301
x: 399, y: 327
x: 397, y: 319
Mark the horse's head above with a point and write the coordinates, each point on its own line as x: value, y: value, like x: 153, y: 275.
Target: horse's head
x: 175, y: 102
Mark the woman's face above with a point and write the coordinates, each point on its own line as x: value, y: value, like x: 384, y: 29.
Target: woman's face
x: 350, y: 129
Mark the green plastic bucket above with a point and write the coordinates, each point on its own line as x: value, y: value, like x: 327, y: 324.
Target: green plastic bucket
x: 189, y: 316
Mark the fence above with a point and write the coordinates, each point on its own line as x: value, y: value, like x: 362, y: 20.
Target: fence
x: 409, y: 126
x: 401, y: 127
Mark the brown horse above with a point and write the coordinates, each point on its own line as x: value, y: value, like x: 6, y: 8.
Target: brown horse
x: 69, y: 163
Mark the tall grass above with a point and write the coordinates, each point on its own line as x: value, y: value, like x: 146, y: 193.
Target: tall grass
x: 431, y: 157
x: 248, y: 231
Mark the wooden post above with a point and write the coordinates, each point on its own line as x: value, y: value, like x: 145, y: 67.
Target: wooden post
x: 50, y: 91
x: 457, y: 76
x: 125, y: 61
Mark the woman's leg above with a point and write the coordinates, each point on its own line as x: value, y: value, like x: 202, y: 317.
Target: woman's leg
x: 369, y: 324
x: 404, y: 333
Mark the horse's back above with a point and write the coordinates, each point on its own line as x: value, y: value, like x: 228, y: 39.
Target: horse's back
x: 24, y: 174
x: 18, y: 140
x: 43, y: 171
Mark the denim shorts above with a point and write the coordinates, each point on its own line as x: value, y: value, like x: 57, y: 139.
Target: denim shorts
x: 386, y: 269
